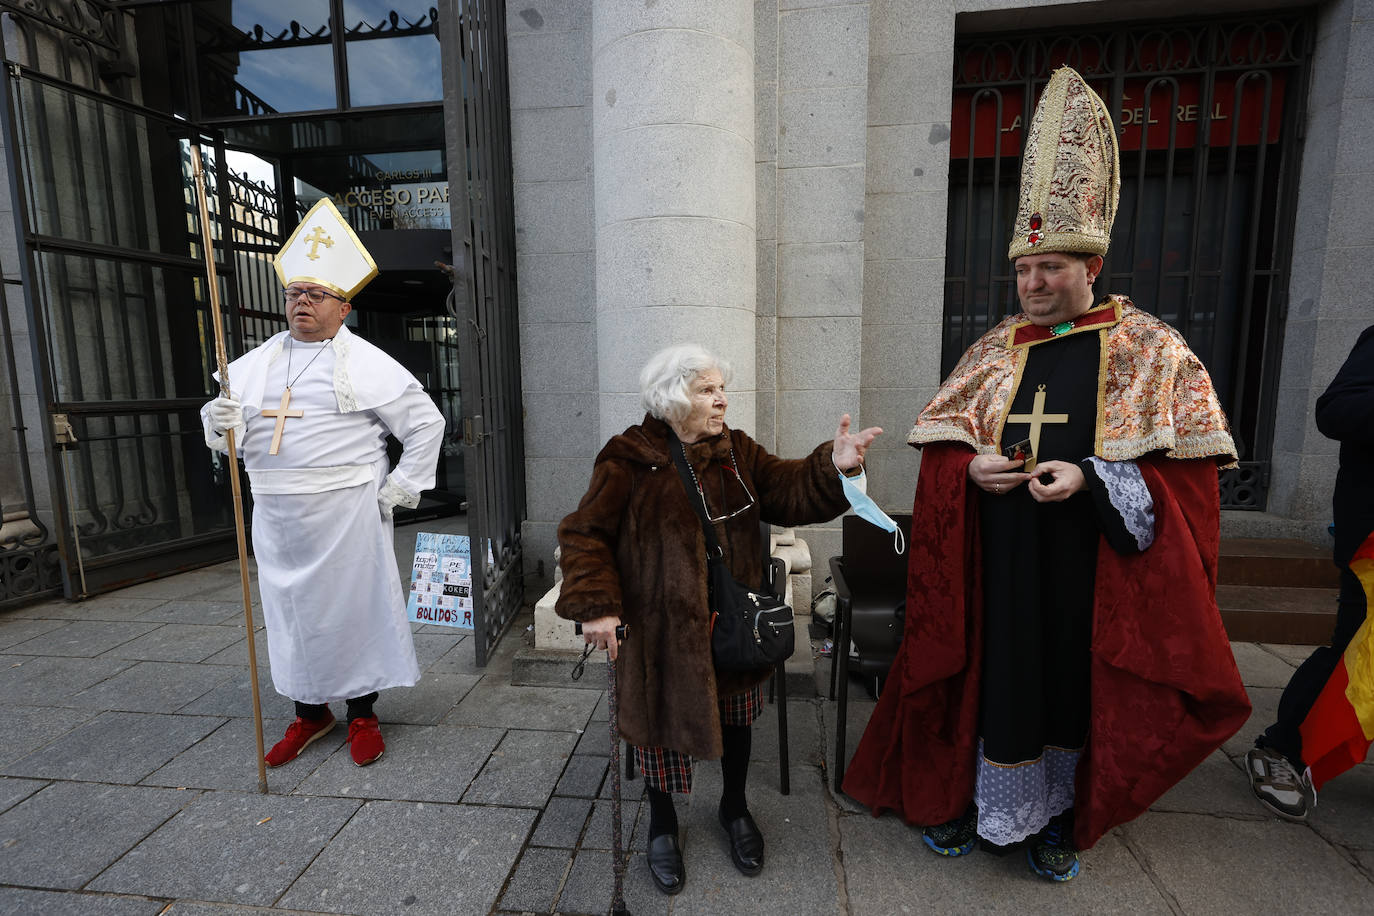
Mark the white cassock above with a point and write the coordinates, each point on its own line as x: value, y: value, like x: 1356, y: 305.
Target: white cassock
x: 331, y: 592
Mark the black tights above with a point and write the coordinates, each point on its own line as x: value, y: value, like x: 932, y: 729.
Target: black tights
x: 358, y: 708
x: 737, y: 743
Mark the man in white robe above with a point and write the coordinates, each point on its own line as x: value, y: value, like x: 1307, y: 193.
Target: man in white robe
x: 323, y: 497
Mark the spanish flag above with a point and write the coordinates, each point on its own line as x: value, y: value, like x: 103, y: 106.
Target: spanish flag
x: 1340, y: 726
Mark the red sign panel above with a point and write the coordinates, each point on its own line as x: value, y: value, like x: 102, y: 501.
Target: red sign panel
x: 1243, y: 109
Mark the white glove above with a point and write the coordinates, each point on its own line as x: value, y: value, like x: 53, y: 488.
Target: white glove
x: 225, y: 414
x: 392, y: 495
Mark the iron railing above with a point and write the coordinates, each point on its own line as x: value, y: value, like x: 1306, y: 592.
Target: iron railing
x: 1209, y: 115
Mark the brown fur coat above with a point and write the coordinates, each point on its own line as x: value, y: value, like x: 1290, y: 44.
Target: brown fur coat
x: 635, y: 549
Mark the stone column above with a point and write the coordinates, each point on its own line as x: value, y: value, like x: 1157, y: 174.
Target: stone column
x: 673, y: 154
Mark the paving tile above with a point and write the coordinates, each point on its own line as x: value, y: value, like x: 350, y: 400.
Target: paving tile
x: 27, y: 728
x: 151, y: 687
x: 1294, y: 655
x: 234, y: 697
x: 178, y: 642
x: 83, y: 638
x: 15, y: 901
x: 523, y: 769
x: 236, y: 652
x: 194, y: 908
x: 230, y: 847
x: 115, y: 747
x: 68, y: 833
x: 103, y: 607
x: 430, y: 647
x: 458, y: 660
x: 598, y: 835
x: 428, y: 702
x: 184, y: 585
x: 1265, y: 866
x: 17, y: 630
x: 437, y: 859
x: 203, y: 613
x: 43, y: 681
x: 233, y: 616
x: 588, y: 889
x: 536, y: 880
x: 13, y: 791
x: 1345, y: 809
x: 595, y: 739
x: 422, y: 763
x: 561, y: 822
x: 803, y: 734
x: 1259, y: 667
x: 227, y: 758
x: 1218, y: 786
x: 191, y: 908
x: 1265, y: 710
x: 503, y: 706
x: 983, y: 882
x: 583, y: 775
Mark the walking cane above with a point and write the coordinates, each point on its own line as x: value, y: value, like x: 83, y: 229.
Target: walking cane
x: 617, y: 843
x: 222, y: 360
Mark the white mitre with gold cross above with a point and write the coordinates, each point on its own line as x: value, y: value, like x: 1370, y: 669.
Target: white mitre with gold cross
x: 324, y: 250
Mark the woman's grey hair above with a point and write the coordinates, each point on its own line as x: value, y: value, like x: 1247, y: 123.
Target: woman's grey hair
x: 666, y: 379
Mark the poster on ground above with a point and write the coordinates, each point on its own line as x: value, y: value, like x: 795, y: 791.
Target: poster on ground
x: 441, y: 581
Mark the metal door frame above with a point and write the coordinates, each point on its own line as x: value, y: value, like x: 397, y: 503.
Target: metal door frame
x: 483, y: 302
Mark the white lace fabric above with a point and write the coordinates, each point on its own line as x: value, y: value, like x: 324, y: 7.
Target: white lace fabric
x: 1129, y: 496
x: 1015, y: 802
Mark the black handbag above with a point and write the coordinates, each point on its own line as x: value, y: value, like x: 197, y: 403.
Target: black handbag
x: 749, y: 629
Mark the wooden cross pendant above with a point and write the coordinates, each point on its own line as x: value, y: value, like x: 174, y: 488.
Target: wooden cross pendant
x: 280, y: 414
x: 1037, y: 418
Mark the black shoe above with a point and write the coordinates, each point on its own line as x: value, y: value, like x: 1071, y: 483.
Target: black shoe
x: 665, y: 863
x: 746, y: 843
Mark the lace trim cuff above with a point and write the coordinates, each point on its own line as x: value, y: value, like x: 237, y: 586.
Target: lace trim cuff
x: 1129, y: 496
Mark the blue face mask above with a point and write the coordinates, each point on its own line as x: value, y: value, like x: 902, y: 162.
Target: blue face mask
x: 866, y: 509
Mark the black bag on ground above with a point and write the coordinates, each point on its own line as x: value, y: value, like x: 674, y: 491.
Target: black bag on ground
x: 749, y: 629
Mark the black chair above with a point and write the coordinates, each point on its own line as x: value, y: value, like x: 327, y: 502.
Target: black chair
x: 870, y: 601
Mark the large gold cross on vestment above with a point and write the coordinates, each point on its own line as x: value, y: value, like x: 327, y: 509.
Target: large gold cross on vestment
x: 1037, y: 418
x: 280, y: 414
x: 315, y: 239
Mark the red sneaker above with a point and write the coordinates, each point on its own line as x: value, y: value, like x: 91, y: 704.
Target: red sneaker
x: 365, y: 740
x: 299, y: 735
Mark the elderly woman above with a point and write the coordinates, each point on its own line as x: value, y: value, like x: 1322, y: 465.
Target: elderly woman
x: 634, y: 553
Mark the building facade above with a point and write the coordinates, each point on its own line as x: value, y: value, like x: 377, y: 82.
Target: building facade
x: 818, y: 190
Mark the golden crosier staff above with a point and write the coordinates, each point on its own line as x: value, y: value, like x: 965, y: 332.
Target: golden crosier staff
x: 222, y: 358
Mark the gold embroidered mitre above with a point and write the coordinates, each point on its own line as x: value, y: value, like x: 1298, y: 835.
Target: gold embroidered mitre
x: 324, y: 250
x: 1070, y: 174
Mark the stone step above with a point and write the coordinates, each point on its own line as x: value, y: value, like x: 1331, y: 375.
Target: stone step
x: 1269, y: 561
x: 1276, y: 614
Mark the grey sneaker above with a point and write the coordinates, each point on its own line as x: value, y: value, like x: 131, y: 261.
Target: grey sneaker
x: 1278, y: 785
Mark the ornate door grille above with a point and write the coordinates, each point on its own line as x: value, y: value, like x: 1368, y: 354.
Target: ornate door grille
x: 1209, y: 115
x: 477, y: 127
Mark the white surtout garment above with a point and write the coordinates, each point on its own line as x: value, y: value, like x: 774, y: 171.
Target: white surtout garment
x: 331, y: 592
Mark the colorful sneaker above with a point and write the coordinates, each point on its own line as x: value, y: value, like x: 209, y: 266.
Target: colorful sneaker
x: 365, y: 742
x: 955, y: 838
x: 1051, y: 854
x: 1277, y: 784
x: 299, y: 735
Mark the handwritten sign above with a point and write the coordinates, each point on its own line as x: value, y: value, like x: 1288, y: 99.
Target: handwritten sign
x: 441, y: 581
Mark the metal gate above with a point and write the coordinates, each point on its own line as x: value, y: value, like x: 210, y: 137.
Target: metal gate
x: 1209, y: 116
x: 114, y: 302
x: 477, y: 130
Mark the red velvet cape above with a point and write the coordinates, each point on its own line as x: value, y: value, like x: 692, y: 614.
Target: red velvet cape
x: 1165, y: 689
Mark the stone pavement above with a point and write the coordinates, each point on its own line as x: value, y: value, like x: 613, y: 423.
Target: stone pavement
x: 127, y: 786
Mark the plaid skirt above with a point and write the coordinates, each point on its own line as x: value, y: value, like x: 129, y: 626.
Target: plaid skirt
x: 668, y: 770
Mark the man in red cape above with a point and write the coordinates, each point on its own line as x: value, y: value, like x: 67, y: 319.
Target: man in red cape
x: 1063, y: 662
